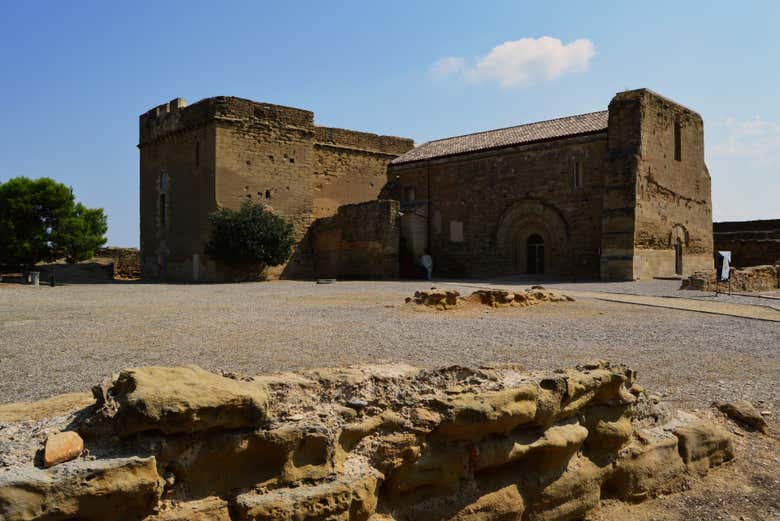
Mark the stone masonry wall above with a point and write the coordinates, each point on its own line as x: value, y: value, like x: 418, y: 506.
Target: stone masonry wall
x: 359, y: 242
x: 753, y: 278
x: 181, y: 146
x: 485, y: 205
x: 751, y: 243
x: 672, y: 196
x: 247, y: 151
x: 127, y: 261
x: 637, y: 198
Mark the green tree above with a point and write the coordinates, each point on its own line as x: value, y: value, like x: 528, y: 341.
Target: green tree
x: 250, y: 236
x: 38, y: 221
x: 79, y: 235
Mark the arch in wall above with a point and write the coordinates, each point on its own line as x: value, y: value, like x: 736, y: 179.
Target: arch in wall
x: 525, y: 225
x: 678, y: 232
x: 678, y: 239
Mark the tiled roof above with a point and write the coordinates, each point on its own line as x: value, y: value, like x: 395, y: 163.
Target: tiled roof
x: 528, y: 133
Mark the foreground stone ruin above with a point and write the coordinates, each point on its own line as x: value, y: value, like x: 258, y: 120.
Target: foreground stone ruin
x: 447, y: 299
x: 379, y: 443
x: 755, y: 278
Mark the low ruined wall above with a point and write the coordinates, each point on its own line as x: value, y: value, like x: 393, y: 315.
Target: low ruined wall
x: 359, y: 242
x: 751, y: 243
x: 127, y: 261
x: 755, y: 278
x: 378, y: 443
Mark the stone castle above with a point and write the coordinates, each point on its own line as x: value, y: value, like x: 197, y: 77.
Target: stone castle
x: 621, y: 194
x: 224, y: 150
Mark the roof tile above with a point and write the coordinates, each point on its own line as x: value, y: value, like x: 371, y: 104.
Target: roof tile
x: 528, y: 133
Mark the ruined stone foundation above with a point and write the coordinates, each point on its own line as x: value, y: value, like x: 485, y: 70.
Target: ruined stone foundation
x: 381, y: 443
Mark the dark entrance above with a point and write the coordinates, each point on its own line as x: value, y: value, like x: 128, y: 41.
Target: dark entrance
x: 535, y: 250
x: 678, y: 257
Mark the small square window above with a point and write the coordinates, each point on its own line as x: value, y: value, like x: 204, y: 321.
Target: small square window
x: 409, y: 194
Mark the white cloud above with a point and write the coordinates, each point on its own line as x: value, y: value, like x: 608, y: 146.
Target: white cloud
x: 744, y: 160
x: 521, y: 62
x: 755, y: 139
x: 447, y: 66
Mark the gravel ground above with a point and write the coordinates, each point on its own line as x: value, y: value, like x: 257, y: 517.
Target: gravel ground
x: 55, y: 340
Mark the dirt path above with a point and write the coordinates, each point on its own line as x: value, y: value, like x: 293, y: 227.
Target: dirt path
x: 715, y: 308
x: 700, y: 306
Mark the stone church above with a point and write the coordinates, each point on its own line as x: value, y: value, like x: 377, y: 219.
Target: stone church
x: 620, y: 194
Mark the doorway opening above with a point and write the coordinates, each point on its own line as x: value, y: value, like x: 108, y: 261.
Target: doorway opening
x: 678, y: 257
x: 535, y: 250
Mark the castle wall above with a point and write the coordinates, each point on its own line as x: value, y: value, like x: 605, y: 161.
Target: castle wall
x: 672, y: 191
x: 185, y: 154
x: 751, y: 243
x: 259, y: 152
x: 485, y: 206
x: 350, y: 166
x: 619, y: 199
x: 360, y: 241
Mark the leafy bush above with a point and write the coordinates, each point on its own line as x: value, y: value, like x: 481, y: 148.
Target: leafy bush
x: 40, y: 221
x: 250, y: 236
x: 82, y: 233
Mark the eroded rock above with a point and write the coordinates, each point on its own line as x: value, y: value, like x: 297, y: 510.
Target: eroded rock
x: 496, y: 298
x: 743, y: 411
x: 337, y: 500
x: 177, y: 400
x: 456, y: 443
x: 123, y: 489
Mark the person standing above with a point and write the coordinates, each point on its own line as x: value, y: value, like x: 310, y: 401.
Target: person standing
x: 427, y: 262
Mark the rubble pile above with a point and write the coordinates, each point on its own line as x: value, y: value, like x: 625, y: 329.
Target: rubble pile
x: 448, y: 299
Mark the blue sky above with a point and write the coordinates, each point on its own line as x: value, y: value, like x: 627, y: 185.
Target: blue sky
x: 76, y: 75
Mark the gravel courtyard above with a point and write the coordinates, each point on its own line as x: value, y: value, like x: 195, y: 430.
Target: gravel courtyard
x: 56, y: 340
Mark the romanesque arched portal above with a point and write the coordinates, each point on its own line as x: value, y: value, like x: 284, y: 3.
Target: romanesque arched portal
x: 533, y: 224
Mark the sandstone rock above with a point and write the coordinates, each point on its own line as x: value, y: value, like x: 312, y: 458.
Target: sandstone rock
x: 62, y: 447
x: 555, y: 445
x: 592, y: 386
x: 179, y: 399
x: 105, y: 490
x: 609, y: 427
x: 338, y: 500
x: 437, y: 470
x: 446, y: 299
x: 476, y: 415
x: 221, y: 463
x: 505, y: 504
x: 703, y: 445
x: 744, y: 412
x: 208, y: 509
x: 647, y: 467
x: 570, y: 495
x: 457, y: 443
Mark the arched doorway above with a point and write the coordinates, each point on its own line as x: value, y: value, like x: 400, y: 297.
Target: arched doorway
x: 535, y: 251
x: 678, y: 256
x: 548, y: 253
